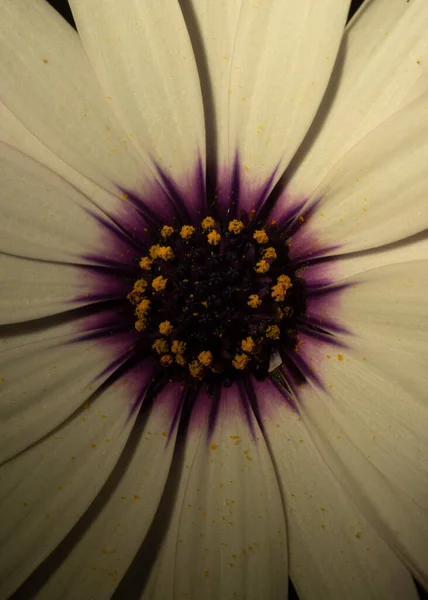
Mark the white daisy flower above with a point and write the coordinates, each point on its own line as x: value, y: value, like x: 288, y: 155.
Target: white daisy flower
x: 213, y: 311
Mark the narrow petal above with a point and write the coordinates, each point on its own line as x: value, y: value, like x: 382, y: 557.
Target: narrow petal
x: 376, y: 194
x: 334, y: 551
x: 282, y: 58
x: 47, y: 488
x: 369, y: 417
x: 15, y: 134
x: 48, y: 379
x: 338, y: 268
x: 381, y: 67
x: 212, y: 29
x: 31, y: 289
x: 48, y: 84
x: 144, y: 61
x: 104, y: 544
x: 46, y: 218
x: 227, y: 528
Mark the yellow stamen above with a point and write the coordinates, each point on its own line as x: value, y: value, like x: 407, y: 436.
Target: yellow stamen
x: 213, y: 238
x: 153, y: 251
x: 205, y: 358
x: 178, y: 347
x: 187, y: 231
x: 142, y: 309
x: 162, y: 252
x: 262, y: 266
x: 196, y: 369
x: 137, y: 292
x: 240, y: 361
x: 146, y: 263
x: 273, y: 332
x: 254, y: 301
x: 166, y: 360
x: 269, y: 253
x: 279, y: 291
x: 207, y: 224
x: 179, y: 359
x: 140, y: 325
x: 236, y: 226
x: 165, y: 328
x: 248, y: 344
x: 159, y: 283
x: 160, y: 346
x: 167, y: 231
x: 261, y: 236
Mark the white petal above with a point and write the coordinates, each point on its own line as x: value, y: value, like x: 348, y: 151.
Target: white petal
x: 45, y: 217
x: 376, y: 194
x: 15, y: 134
x: 49, y: 85
x: 381, y: 67
x: 101, y: 554
x: 212, y: 28
x: 47, y: 488
x: 45, y: 381
x: 370, y: 418
x: 228, y: 527
x: 334, y: 552
x: 347, y: 265
x: 282, y: 58
x: 144, y: 61
x: 30, y: 289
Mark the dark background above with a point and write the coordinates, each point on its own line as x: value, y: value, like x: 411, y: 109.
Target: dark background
x: 63, y: 7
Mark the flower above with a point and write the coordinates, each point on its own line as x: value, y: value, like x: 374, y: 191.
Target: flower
x: 156, y: 448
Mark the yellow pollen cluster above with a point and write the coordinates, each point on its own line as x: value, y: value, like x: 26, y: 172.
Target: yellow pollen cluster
x: 137, y: 292
x: 214, y: 238
x: 146, y: 263
x: 269, y: 253
x: 142, y: 309
x: 262, y: 266
x: 140, y: 325
x: 240, y: 361
x: 236, y: 226
x: 207, y: 224
x: 187, y: 231
x: 196, y: 369
x: 205, y: 358
x: 165, y: 328
x: 166, y: 360
x: 167, y: 231
x: 159, y: 283
x: 254, y: 301
x: 162, y: 252
x: 273, y: 332
x: 279, y: 290
x: 248, y: 344
x: 178, y: 347
x: 180, y: 360
x: 261, y: 236
x: 160, y: 346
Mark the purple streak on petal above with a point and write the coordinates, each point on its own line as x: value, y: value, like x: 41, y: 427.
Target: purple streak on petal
x: 249, y: 405
x: 233, y: 191
x: 319, y: 274
x: 322, y: 303
x: 103, y: 284
x: 274, y: 391
x: 223, y: 192
x: 214, y: 410
x: 187, y: 209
